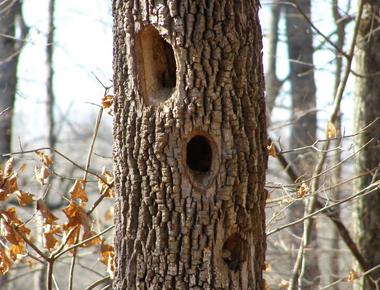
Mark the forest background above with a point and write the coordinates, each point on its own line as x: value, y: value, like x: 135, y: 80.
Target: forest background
x: 71, y: 115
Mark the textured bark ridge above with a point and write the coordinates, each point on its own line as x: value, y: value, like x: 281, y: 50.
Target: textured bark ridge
x: 367, y: 106
x: 189, y: 145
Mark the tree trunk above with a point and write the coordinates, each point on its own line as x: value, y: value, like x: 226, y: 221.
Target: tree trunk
x: 337, y: 158
x: 272, y: 83
x: 189, y: 145
x: 10, y: 20
x: 50, y: 96
x: 9, y: 52
x: 304, y: 118
x: 367, y: 105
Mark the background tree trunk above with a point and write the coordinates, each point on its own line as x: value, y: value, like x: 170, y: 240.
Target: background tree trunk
x: 272, y: 83
x: 10, y: 16
x: 304, y: 118
x: 337, y: 173
x: 10, y: 47
x: 189, y: 145
x: 367, y: 105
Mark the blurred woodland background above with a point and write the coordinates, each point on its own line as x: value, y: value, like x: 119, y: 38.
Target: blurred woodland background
x: 321, y: 68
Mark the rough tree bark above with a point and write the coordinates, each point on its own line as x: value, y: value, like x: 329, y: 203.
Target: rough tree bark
x: 367, y: 105
x: 10, y: 46
x: 303, y: 115
x: 189, y: 145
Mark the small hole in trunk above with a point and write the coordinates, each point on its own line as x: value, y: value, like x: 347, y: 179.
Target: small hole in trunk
x: 199, y: 154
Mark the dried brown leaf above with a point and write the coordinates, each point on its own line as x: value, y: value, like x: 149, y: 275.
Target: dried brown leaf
x: 41, y: 174
x: 44, y: 158
x: 331, y: 130
x: 303, y: 190
x: 352, y: 275
x: 23, y: 167
x: 5, y: 262
x: 18, y: 250
x: 108, y: 254
x: 77, y: 191
x: 104, y: 186
x: 93, y: 242
x: 8, y: 168
x: 76, y: 215
x: 24, y: 198
x: 272, y: 150
x: 107, y: 101
x: 49, y: 239
x: 48, y: 216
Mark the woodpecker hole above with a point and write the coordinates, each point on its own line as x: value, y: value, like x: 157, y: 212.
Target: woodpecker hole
x: 199, y: 154
x: 234, y: 251
x: 156, y: 66
x: 201, y: 159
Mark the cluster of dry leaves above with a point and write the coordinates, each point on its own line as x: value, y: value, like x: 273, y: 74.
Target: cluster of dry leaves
x: 16, y: 239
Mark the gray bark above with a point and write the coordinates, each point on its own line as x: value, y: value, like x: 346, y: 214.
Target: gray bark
x: 10, y: 47
x: 50, y: 102
x: 303, y: 114
x: 337, y: 173
x: 367, y: 105
x: 189, y: 145
x: 10, y: 19
x: 273, y: 84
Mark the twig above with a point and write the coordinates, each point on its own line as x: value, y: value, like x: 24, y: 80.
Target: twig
x: 99, y: 282
x: 367, y: 190
x: 330, y: 213
x: 345, y: 278
x: 60, y: 154
x: 88, y: 162
x: 300, y: 264
x: 30, y: 243
x: 83, y: 242
x: 307, y: 18
x: 101, y: 197
x: 4, y: 111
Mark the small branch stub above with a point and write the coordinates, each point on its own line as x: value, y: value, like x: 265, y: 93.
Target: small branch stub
x: 156, y: 66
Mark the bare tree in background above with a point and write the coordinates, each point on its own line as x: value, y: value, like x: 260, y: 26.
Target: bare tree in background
x: 367, y: 108
x: 341, y: 21
x: 50, y: 76
x: 303, y: 116
x: 10, y: 46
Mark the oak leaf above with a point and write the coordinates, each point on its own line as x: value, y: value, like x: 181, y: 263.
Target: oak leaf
x: 108, y: 255
x: 47, y: 215
x: 272, y: 150
x: 8, y: 168
x: 16, y: 251
x: 41, y: 174
x: 77, y: 191
x: 44, y: 158
x: 104, y: 183
x: 303, y: 190
x: 94, y: 241
x: 49, y: 240
x: 5, y: 262
x: 24, y: 198
x: 107, y: 101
